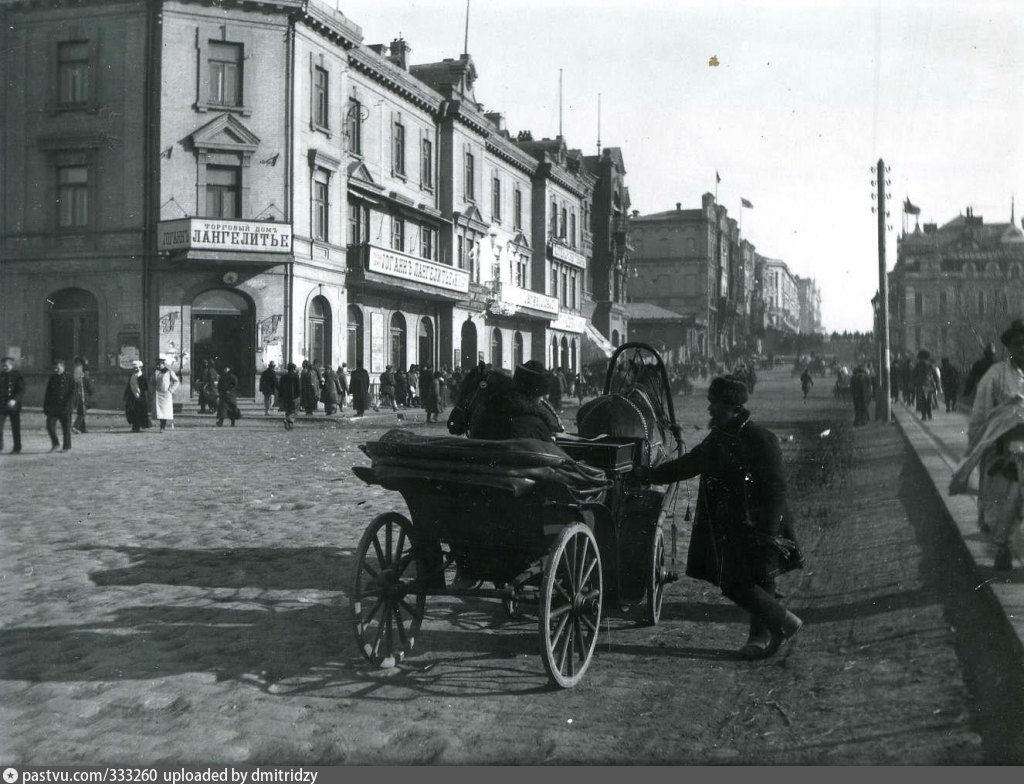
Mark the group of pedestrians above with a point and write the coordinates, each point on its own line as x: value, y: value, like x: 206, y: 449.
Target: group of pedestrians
x: 65, y: 401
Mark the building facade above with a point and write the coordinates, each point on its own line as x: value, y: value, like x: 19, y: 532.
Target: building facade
x: 609, y: 221
x: 956, y: 287
x: 781, y: 296
x: 809, y: 297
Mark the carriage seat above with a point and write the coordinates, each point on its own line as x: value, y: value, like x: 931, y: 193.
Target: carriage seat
x: 517, y: 465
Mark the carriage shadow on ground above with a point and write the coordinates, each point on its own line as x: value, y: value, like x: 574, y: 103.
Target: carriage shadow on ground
x: 275, y: 618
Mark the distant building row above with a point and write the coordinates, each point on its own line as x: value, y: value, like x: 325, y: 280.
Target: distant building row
x: 250, y: 182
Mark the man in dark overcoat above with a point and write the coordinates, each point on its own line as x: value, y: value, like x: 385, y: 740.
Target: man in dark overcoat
x: 359, y: 387
x: 227, y: 392
x: 12, y: 389
x: 289, y: 390
x: 520, y: 412
x: 860, y: 391
x: 58, y: 404
x: 742, y: 536
x: 269, y: 386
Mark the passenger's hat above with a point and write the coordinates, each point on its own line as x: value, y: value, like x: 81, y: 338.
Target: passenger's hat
x: 1014, y: 331
x: 729, y: 390
x: 136, y: 363
x: 530, y: 378
x: 924, y: 354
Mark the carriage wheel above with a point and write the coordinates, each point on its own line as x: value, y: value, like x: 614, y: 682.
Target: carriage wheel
x: 570, y: 605
x: 387, y: 601
x: 656, y: 578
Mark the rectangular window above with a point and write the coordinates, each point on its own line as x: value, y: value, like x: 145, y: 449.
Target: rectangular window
x: 573, y: 288
x: 427, y: 242
x: 565, y: 289
x: 354, y: 127
x: 321, y: 206
x: 358, y: 223
x: 427, y: 164
x: 563, y: 224
x: 572, y: 229
x: 554, y: 219
x: 225, y: 73
x: 553, y: 283
x: 517, y: 209
x: 72, y: 196
x: 320, y: 97
x: 398, y: 160
x: 496, y: 200
x: 398, y: 234
x: 223, y: 192
x: 469, y: 174
x: 461, y: 253
x: 73, y: 72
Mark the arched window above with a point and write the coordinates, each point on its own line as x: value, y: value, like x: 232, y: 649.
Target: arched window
x: 397, y: 356
x: 553, y: 356
x: 615, y: 337
x: 74, y: 326
x: 517, y: 348
x: 468, y: 345
x: 318, y: 332
x: 354, y: 353
x: 572, y: 356
x: 496, y: 347
x: 563, y: 359
x: 426, y: 343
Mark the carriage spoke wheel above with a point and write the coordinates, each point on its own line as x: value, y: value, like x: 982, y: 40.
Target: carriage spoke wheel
x: 387, y: 600
x: 570, y: 605
x: 657, y: 577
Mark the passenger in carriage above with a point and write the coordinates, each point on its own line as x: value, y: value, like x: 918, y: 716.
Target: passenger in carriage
x: 742, y: 535
x: 520, y: 412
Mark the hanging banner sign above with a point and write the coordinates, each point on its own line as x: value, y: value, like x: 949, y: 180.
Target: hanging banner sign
x: 220, y: 234
x: 402, y: 265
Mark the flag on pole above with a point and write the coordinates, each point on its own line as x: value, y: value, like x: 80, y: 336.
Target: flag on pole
x: 746, y: 203
x: 717, y: 178
x: 909, y: 208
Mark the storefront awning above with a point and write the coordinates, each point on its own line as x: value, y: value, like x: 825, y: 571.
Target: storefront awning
x: 595, y: 345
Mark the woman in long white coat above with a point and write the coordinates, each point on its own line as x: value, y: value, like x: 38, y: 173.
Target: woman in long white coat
x: 164, y: 384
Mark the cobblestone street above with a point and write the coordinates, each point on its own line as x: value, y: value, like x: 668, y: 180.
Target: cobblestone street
x: 182, y: 597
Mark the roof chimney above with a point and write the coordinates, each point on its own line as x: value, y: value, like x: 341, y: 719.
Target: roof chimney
x: 679, y: 206
x: 497, y: 119
x: 400, y: 53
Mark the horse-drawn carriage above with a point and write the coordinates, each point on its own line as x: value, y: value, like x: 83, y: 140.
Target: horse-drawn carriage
x: 563, y: 527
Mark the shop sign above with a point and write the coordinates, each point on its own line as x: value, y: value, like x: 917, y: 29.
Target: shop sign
x: 220, y: 234
x: 525, y: 298
x: 567, y: 322
x: 376, y: 342
x: 402, y: 265
x: 563, y: 253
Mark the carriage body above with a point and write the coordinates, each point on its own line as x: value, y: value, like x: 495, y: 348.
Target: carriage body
x: 564, y: 526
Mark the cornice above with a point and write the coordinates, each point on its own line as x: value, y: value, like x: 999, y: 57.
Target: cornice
x: 394, y: 78
x: 511, y: 154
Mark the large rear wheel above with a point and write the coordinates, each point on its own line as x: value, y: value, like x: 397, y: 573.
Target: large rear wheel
x: 570, y: 605
x: 657, y: 577
x: 387, y: 598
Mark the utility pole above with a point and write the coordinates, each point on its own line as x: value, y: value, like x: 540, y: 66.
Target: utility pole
x: 883, y: 408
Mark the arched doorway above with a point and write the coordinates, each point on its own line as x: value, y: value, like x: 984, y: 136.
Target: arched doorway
x: 74, y: 326
x: 496, y: 347
x: 354, y: 350
x: 572, y: 356
x: 553, y: 353
x: 224, y: 331
x: 517, y: 348
x: 563, y: 360
x: 468, y: 345
x: 318, y: 332
x: 615, y: 337
x: 426, y: 336
x: 397, y: 355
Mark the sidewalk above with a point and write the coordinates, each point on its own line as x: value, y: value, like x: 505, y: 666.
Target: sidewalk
x: 939, y: 444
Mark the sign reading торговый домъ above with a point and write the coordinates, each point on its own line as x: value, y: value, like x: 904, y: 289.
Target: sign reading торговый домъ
x: 220, y: 234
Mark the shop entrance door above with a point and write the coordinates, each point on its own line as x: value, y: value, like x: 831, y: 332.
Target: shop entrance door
x: 223, y: 331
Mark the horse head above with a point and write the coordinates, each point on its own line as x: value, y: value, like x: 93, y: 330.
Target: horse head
x: 479, y: 385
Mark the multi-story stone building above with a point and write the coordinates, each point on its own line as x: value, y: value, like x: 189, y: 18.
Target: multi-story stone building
x: 956, y: 287
x: 809, y: 298
x: 610, y: 224
x: 250, y: 182
x: 781, y: 296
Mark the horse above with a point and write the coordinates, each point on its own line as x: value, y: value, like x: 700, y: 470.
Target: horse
x: 479, y: 386
x: 634, y: 409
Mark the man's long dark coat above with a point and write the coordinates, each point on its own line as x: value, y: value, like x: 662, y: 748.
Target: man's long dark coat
x: 741, y: 501
x: 359, y: 386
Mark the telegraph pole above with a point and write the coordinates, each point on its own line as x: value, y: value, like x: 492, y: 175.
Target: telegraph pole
x: 883, y: 408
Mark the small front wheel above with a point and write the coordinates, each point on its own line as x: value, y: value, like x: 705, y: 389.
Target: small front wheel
x: 387, y: 599
x: 570, y: 605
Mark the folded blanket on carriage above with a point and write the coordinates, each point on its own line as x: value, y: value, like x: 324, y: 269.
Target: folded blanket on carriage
x: 516, y: 464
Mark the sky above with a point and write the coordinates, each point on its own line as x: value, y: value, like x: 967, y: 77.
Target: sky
x: 806, y: 96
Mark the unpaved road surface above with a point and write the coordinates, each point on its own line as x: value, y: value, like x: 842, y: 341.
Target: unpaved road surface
x: 182, y: 597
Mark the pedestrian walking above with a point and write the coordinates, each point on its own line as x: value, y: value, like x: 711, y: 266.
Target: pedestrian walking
x: 806, y: 382
x: 83, y: 392
x: 979, y: 369
x: 208, y: 379
x: 310, y: 388
x: 331, y: 392
x: 742, y: 537
x: 136, y: 403
x: 12, y: 390
x: 227, y: 395
x: 289, y: 392
x: 860, y: 391
x: 343, y: 381
x: 401, y: 388
x: 387, y: 388
x: 58, y: 403
x: 269, y: 386
x: 164, y: 384
x: 413, y: 379
x: 359, y: 387
x: 429, y: 392
x: 926, y: 381
x: 555, y: 390
x: 950, y: 384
